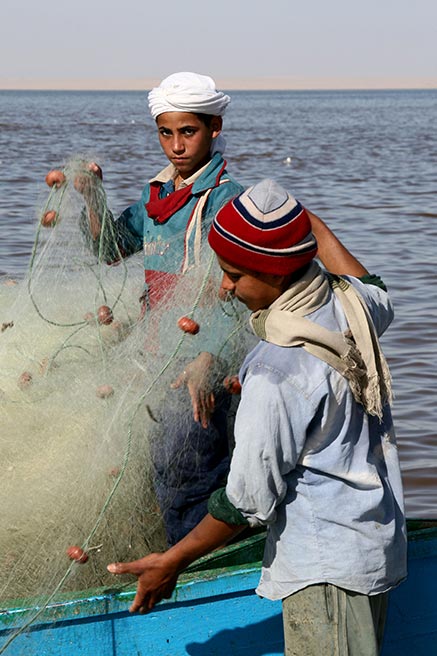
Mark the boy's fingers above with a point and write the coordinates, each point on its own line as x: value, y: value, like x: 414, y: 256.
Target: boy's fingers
x: 125, y: 568
x: 116, y: 568
x: 95, y: 168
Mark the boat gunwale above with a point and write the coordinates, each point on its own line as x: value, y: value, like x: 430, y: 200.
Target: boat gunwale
x: 238, y: 562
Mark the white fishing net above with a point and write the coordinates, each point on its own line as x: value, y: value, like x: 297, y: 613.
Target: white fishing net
x: 84, y: 399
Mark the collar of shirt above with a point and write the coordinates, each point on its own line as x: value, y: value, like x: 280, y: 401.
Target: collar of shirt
x: 169, y: 174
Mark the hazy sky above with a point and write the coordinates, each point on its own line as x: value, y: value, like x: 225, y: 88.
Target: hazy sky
x: 241, y: 43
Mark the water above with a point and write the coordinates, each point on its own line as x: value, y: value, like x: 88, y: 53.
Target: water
x: 365, y: 161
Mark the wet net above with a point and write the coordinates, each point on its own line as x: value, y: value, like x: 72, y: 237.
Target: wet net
x: 85, y: 395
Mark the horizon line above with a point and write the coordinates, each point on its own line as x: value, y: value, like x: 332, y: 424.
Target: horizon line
x: 232, y: 84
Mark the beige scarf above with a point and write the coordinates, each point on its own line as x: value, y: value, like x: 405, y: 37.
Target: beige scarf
x: 355, y: 354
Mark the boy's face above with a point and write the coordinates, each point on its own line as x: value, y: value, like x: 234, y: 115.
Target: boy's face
x: 186, y: 140
x: 256, y: 290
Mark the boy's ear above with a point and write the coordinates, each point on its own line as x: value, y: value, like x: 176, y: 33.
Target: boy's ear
x: 279, y: 282
x: 216, y: 126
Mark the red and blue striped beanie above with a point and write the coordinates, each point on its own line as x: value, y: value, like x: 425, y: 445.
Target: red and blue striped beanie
x: 264, y: 229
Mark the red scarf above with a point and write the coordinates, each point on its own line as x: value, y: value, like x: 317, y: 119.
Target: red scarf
x: 161, y: 209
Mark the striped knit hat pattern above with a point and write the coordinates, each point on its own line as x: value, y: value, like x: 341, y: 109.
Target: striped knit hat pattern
x: 264, y: 229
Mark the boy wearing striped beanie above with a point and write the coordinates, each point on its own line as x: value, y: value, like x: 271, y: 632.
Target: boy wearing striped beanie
x: 315, y: 457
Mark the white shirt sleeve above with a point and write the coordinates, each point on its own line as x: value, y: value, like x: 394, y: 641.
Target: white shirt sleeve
x: 378, y: 301
x: 268, y: 443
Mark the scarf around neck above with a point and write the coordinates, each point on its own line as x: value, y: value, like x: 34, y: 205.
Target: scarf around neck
x: 354, y: 353
x: 161, y: 209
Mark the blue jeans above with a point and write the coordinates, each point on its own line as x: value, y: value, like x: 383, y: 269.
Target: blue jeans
x: 190, y: 462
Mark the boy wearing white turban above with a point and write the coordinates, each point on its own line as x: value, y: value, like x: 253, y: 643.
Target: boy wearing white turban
x: 187, y: 92
x: 188, y: 111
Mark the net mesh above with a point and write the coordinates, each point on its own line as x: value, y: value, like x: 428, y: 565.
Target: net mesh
x: 84, y: 394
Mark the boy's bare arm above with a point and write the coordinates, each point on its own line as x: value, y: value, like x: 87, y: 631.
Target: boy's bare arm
x: 157, y: 573
x: 333, y: 255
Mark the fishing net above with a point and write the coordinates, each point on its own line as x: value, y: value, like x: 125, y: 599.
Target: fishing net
x: 85, y: 391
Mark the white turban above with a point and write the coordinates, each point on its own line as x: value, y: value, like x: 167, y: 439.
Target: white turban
x: 187, y: 92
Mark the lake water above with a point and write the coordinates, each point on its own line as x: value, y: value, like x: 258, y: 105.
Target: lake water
x: 365, y: 161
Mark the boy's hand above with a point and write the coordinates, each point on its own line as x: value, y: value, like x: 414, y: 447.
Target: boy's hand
x: 83, y: 183
x: 197, y: 377
x: 156, y: 580
x: 157, y: 573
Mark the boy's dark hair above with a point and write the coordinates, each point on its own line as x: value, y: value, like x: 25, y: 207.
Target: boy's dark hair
x: 205, y: 118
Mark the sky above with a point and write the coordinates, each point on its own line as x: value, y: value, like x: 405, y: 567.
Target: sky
x: 246, y: 44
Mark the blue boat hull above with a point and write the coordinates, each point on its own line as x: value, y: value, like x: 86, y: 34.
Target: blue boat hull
x: 214, y: 612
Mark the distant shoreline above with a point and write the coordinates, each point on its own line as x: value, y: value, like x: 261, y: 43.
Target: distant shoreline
x: 223, y: 88
x: 231, y: 84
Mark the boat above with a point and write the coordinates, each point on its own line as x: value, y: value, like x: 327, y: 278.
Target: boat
x: 215, y: 612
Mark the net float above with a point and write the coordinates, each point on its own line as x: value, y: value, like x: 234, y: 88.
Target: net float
x: 104, y: 391
x: 188, y: 325
x: 104, y: 315
x: 232, y: 385
x: 49, y: 219
x: 25, y: 380
x: 77, y: 553
x: 55, y: 177
x: 89, y: 317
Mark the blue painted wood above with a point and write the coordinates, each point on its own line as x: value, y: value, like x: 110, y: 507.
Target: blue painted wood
x: 215, y: 612
x: 412, y: 615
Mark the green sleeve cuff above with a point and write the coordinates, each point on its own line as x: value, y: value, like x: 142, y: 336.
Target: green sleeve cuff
x: 222, y: 509
x: 372, y: 279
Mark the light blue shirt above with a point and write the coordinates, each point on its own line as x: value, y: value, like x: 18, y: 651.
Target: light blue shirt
x: 322, y: 474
